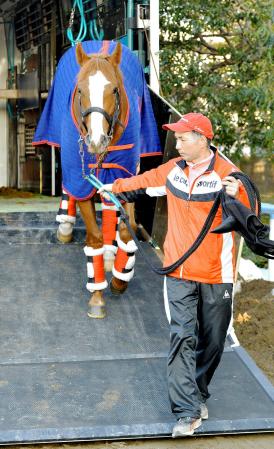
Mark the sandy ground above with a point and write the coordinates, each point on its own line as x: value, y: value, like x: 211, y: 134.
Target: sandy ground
x: 8, y: 192
x: 254, y: 319
x: 263, y: 441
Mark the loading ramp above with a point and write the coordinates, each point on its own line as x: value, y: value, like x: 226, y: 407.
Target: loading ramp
x: 65, y: 377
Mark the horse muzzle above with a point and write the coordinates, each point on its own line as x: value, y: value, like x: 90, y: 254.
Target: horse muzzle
x: 97, y: 147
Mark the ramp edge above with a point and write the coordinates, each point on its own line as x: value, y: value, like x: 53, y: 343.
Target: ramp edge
x: 256, y: 371
x: 138, y: 431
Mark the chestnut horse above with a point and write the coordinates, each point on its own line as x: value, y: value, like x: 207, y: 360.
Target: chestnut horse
x: 101, y: 130
x: 98, y: 81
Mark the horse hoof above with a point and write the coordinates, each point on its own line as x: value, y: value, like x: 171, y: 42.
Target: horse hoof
x: 117, y: 291
x: 98, y: 312
x: 64, y: 238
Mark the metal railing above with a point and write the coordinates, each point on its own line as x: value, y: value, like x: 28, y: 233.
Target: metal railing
x: 268, y: 208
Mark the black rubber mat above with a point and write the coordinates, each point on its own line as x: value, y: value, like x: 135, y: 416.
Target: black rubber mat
x: 44, y: 310
x: 66, y: 377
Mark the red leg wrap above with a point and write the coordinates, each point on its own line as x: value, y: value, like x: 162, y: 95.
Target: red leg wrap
x: 124, y: 261
x: 110, y: 221
x: 95, y: 269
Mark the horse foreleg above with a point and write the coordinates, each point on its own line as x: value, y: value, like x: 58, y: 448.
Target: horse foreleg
x: 94, y: 251
x: 66, y: 218
x: 123, y: 268
x: 110, y: 223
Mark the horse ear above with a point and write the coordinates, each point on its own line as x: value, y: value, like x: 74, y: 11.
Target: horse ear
x: 81, y: 56
x: 116, y: 56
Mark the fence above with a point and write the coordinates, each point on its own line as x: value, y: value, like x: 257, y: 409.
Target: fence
x: 269, y: 209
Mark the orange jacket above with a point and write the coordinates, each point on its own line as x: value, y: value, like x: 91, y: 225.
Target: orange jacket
x: 214, y: 260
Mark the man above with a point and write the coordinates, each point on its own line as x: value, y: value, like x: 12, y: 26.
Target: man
x: 198, y: 294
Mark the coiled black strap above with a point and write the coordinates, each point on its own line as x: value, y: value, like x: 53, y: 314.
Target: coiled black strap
x: 254, y: 198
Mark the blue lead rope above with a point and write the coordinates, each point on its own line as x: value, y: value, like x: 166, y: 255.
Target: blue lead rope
x: 98, y: 184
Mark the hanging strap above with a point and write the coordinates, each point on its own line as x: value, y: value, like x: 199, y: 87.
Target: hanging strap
x: 83, y: 26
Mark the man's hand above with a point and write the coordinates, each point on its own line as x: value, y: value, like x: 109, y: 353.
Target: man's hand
x: 104, y: 189
x: 231, y: 185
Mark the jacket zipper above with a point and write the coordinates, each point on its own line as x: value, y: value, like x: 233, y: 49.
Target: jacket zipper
x: 202, y: 174
x: 188, y: 207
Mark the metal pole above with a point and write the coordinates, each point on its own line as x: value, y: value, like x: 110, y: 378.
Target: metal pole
x: 130, y: 15
x: 52, y: 170
x: 40, y: 174
x: 53, y: 43
x: 18, y: 163
x: 271, y: 262
x: 154, y: 45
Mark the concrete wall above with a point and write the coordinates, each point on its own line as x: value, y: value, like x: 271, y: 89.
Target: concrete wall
x: 4, y: 138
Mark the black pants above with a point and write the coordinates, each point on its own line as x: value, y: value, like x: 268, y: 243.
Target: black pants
x: 199, y: 318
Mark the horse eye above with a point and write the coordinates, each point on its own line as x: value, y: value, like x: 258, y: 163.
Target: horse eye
x: 79, y: 91
x: 115, y: 90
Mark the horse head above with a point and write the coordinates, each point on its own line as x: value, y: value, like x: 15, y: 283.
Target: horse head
x: 100, y: 103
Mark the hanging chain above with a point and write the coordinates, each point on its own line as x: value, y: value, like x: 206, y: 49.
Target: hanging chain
x: 71, y: 19
x: 82, y: 154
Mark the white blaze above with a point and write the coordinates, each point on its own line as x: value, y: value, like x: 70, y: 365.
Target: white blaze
x: 97, y: 84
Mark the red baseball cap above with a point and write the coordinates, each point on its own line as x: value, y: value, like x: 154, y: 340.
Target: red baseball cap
x: 194, y: 121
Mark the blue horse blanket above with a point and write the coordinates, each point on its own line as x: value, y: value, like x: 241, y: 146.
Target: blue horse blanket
x: 56, y: 126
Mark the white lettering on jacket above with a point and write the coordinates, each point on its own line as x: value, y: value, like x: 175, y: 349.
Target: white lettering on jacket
x: 207, y: 183
x: 178, y: 179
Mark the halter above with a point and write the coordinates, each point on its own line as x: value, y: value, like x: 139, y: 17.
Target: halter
x: 112, y: 120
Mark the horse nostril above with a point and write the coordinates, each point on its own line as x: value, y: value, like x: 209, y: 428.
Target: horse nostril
x: 104, y: 140
x: 97, y: 146
x: 88, y: 139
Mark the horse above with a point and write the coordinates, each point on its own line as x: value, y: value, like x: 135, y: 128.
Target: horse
x: 99, y: 112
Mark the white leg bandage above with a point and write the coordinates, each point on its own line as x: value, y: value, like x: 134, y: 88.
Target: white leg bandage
x: 67, y: 209
x: 65, y: 228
